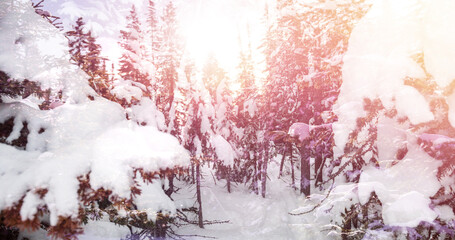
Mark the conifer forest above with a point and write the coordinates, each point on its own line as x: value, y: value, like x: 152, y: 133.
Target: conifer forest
x: 227, y: 119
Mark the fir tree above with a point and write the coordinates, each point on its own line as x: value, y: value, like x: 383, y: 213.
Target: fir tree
x: 131, y: 62
x: 247, y: 119
x: 197, y: 133
x: 86, y: 53
x: 78, y: 42
x: 153, y: 30
x: 168, y: 61
x: 212, y: 75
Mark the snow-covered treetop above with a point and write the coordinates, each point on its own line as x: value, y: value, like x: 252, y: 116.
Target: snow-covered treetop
x: 33, y: 49
x: 406, y: 40
x: 78, y: 152
x: 223, y: 150
x: 299, y: 130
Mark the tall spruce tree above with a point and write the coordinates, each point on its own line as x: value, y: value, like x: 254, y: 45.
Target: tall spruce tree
x: 246, y: 118
x: 78, y: 42
x: 223, y: 126
x: 153, y: 46
x: 197, y: 133
x: 153, y: 30
x: 86, y: 53
x: 132, y: 61
x: 168, y: 61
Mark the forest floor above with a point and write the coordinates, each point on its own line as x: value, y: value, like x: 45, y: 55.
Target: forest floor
x: 244, y: 214
x: 250, y: 216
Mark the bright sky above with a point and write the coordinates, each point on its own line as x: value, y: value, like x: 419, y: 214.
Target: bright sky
x: 207, y: 26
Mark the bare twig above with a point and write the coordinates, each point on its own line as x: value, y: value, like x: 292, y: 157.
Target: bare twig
x: 317, y: 205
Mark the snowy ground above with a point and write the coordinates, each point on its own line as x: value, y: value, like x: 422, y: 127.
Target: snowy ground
x: 250, y: 216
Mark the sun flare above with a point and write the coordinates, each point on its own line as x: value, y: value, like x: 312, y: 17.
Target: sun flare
x: 207, y: 34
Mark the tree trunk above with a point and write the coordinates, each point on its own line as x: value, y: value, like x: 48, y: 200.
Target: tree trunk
x: 265, y: 156
x: 318, y: 169
x: 198, y: 194
x: 282, y: 160
x: 170, y: 190
x: 228, y: 173
x: 304, y: 171
x: 258, y: 171
x: 255, y: 182
x: 192, y: 172
x: 291, y: 158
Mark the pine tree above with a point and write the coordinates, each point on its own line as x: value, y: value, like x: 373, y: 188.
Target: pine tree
x: 197, y: 134
x: 131, y: 66
x: 77, y: 127
x: 303, y: 51
x: 168, y: 61
x: 78, y: 42
x: 153, y: 31
x: 86, y: 54
x: 223, y: 126
x: 153, y: 47
x: 212, y: 75
x: 247, y: 118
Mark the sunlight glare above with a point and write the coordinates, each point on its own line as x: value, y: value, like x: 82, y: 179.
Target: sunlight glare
x: 210, y: 34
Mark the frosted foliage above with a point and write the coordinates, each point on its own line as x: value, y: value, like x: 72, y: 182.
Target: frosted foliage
x: 391, y: 137
x: 345, y: 124
x: 153, y: 200
x: 223, y: 150
x: 413, y: 105
x: 31, y: 48
x: 205, y: 112
x: 79, y: 138
x: 327, y: 213
x: 408, y: 210
x: 124, y: 89
x: 385, y: 48
x: 299, y: 130
x: 250, y: 106
x: 438, y: 41
x: 397, y: 32
x: 146, y: 112
x: 405, y: 195
x: 451, y: 113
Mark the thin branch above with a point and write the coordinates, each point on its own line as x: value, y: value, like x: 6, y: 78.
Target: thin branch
x: 317, y: 205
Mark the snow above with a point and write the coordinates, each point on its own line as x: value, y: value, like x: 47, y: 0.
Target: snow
x: 299, y: 130
x: 396, y: 32
x: 451, y: 113
x: 251, y: 107
x: 80, y: 137
x: 302, y: 130
x: 391, y: 138
x: 321, y: 222
x: 347, y: 116
x: 223, y: 150
x: 93, y: 137
x: 401, y: 190
x: 154, y: 200
x: 124, y: 89
x: 439, y: 35
x: 31, y: 49
x: 250, y: 216
x: 103, y: 230
x: 146, y: 112
x: 435, y: 139
x: 409, y: 96
x: 445, y: 213
x: 408, y: 210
